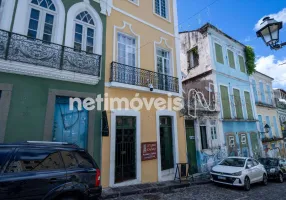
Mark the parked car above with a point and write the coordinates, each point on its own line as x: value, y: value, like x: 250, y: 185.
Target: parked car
x: 239, y: 171
x: 276, y: 168
x: 47, y: 170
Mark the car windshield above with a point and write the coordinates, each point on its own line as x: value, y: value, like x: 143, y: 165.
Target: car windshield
x: 268, y: 161
x: 233, y: 162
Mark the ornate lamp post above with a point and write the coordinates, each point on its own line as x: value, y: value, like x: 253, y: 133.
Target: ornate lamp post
x: 269, y: 32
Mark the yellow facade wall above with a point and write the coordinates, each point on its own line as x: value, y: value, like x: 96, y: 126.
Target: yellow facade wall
x: 148, y: 38
x: 148, y: 133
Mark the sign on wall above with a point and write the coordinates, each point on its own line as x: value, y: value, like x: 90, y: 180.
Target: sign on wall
x: 148, y: 151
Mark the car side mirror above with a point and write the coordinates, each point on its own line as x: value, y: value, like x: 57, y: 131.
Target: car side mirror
x: 248, y: 166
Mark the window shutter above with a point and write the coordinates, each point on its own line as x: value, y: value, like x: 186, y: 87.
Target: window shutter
x: 241, y: 64
x: 270, y: 129
x: 262, y: 92
x: 231, y: 59
x: 269, y: 95
x: 219, y: 54
x: 237, y: 102
x: 225, y: 102
x: 261, y: 125
x: 248, y: 105
x: 254, y: 90
x: 275, y: 126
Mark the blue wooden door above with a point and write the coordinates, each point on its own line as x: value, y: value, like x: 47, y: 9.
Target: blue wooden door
x: 70, y: 125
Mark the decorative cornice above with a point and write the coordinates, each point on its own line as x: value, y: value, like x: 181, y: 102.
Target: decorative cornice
x: 105, y: 5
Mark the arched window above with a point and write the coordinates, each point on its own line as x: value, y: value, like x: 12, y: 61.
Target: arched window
x: 42, y: 17
x: 84, y: 38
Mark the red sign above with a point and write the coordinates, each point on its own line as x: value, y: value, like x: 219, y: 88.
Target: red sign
x: 148, y: 151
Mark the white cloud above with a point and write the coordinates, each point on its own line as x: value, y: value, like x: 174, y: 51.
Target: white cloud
x: 274, y: 68
x: 280, y: 16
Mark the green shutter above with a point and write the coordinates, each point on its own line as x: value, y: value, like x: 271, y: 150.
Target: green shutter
x: 237, y: 102
x: 248, y: 105
x: 231, y: 59
x: 219, y: 54
x: 241, y: 64
x: 225, y: 102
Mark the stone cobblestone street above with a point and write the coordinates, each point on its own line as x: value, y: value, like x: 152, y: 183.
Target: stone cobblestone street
x: 274, y: 190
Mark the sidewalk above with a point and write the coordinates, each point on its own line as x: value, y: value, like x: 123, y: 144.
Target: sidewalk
x: 165, y: 187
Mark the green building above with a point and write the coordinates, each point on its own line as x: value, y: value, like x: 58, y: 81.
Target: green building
x: 51, y: 50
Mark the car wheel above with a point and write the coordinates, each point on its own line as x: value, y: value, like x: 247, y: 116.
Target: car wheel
x: 246, y: 184
x: 280, y: 178
x: 264, y: 181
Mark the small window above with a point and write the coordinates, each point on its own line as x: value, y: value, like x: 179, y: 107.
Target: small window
x: 30, y: 160
x: 231, y: 61
x: 255, y: 162
x: 204, y: 139
x: 219, y: 53
x: 241, y: 64
x: 231, y: 141
x: 193, y: 58
x: 249, y: 162
x: 161, y: 8
x: 4, y: 152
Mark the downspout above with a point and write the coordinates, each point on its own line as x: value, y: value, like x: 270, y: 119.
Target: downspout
x: 14, y: 14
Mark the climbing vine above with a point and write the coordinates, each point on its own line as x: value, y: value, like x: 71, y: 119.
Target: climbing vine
x: 250, y: 60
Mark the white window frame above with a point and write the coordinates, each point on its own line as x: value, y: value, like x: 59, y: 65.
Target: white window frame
x: 170, y: 60
x: 85, y: 26
x: 135, y: 2
x: 228, y: 49
x: 243, y: 62
x: 213, y: 127
x: 222, y: 49
x: 41, y: 23
x: 167, y: 2
x: 130, y: 46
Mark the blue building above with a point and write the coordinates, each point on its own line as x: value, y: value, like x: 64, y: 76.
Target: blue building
x: 214, y: 64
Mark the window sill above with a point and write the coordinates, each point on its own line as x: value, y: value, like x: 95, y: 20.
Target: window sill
x: 166, y: 19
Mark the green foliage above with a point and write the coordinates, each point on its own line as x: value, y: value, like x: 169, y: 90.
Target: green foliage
x: 250, y: 60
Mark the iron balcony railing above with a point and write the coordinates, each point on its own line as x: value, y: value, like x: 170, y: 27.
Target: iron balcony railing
x: 141, y: 77
x: 20, y: 48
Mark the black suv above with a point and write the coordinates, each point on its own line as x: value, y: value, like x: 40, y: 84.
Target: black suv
x: 276, y: 168
x: 47, y: 170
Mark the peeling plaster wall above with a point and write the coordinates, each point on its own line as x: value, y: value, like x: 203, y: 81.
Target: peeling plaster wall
x: 190, y: 40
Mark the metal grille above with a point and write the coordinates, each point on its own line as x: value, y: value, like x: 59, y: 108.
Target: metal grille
x: 125, y: 155
x: 141, y: 77
x: 24, y: 49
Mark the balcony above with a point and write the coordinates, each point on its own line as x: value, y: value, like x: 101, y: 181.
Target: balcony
x: 140, y: 77
x: 280, y: 104
x: 48, y: 57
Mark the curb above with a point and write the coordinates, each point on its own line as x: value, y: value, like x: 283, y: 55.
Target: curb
x: 153, y: 189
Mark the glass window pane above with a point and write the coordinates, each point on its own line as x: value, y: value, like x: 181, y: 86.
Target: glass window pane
x: 89, y: 49
x: 231, y: 59
x: 77, y: 46
x: 78, y: 28
x: 78, y: 38
x: 35, y: 14
x: 49, y: 19
x: 47, y: 38
x: 44, y: 4
x: 84, y: 161
x: 90, y: 32
x: 33, y: 25
x: 32, y: 34
x: 89, y: 42
x: 27, y: 160
x: 241, y: 63
x: 48, y: 29
x: 219, y: 53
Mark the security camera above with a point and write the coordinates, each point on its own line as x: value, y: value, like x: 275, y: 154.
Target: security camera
x: 151, y: 87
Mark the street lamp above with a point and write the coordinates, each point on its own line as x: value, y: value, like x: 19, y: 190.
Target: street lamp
x: 269, y: 32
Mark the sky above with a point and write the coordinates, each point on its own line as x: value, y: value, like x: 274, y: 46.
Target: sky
x: 240, y: 19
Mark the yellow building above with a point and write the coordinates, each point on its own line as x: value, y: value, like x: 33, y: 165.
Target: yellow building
x: 142, y: 60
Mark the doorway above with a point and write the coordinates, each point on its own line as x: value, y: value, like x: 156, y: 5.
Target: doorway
x: 125, y: 149
x: 191, y: 145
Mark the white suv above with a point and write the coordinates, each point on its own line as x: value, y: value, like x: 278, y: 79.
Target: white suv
x: 239, y: 171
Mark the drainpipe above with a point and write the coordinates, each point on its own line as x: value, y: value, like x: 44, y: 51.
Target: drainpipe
x: 14, y: 13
